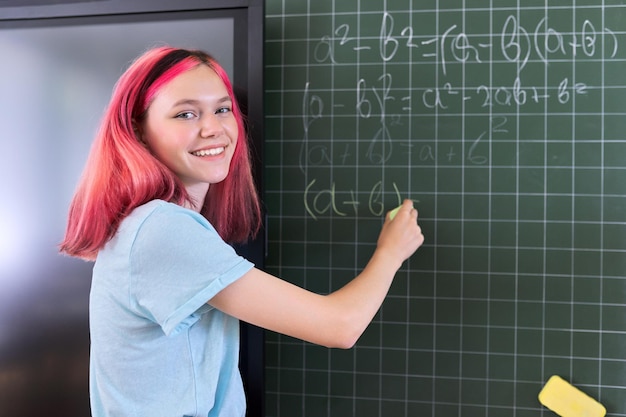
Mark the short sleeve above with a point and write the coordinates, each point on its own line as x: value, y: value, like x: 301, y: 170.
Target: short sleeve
x: 178, y: 263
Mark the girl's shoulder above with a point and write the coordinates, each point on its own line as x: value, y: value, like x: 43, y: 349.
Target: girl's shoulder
x: 158, y: 219
x: 163, y: 217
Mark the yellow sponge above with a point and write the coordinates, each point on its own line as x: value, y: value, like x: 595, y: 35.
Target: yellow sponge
x: 568, y: 401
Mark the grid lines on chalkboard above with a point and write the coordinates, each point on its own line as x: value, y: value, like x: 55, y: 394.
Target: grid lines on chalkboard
x: 522, y: 274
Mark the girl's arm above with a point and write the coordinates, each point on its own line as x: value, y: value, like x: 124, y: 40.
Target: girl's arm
x: 334, y: 320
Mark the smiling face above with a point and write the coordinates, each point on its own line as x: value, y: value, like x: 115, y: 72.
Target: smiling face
x: 190, y: 127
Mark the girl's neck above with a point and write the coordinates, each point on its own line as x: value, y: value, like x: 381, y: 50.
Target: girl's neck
x: 196, y: 194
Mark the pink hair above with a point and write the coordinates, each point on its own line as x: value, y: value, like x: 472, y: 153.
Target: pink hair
x: 121, y: 174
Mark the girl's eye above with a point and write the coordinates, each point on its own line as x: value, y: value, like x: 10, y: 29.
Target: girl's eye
x: 185, y: 115
x: 223, y: 110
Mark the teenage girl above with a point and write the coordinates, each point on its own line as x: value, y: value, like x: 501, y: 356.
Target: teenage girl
x: 167, y: 187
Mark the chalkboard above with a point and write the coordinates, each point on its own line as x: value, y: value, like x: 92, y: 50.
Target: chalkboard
x: 504, y: 121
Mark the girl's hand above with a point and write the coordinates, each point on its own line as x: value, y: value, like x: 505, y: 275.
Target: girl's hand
x: 401, y: 236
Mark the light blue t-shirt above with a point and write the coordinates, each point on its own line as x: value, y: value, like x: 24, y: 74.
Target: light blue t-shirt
x: 157, y: 347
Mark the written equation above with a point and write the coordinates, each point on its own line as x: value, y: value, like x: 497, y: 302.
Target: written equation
x: 512, y: 43
x: 381, y: 106
x: 347, y: 202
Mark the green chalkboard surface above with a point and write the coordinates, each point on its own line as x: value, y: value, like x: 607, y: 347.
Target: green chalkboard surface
x: 505, y: 122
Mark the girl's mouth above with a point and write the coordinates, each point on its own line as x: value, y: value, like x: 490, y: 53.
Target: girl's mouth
x: 209, y: 152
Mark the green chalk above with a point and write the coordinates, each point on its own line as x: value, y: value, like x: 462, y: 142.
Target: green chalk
x: 394, y: 212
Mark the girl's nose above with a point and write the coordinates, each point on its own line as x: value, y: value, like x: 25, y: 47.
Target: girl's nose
x: 210, y: 126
